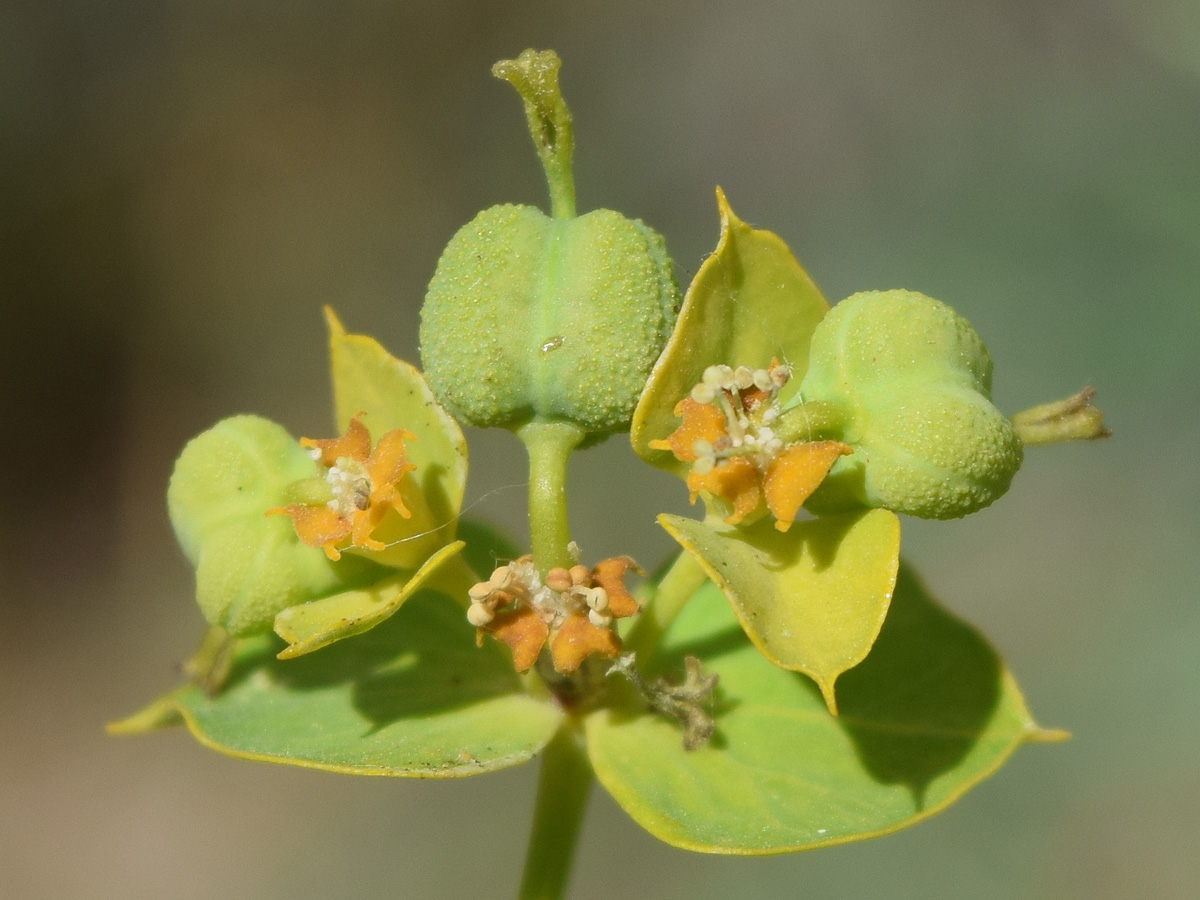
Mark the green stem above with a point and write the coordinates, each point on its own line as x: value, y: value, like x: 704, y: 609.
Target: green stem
x: 563, y: 786
x: 675, y: 589
x: 809, y: 421
x: 1072, y: 419
x: 209, y: 666
x: 549, y: 445
x: 535, y: 76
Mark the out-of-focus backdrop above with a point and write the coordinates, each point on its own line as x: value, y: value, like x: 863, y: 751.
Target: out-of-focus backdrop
x: 183, y: 185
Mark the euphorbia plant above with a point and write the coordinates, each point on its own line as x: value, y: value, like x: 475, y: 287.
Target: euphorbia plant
x: 784, y: 682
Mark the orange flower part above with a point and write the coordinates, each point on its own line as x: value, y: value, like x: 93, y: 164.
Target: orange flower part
x: 610, y: 575
x: 576, y: 639
x: 364, y: 484
x: 569, y: 610
x: 727, y: 433
x: 737, y: 480
x: 793, y: 475
x: 525, y: 634
x: 701, y: 422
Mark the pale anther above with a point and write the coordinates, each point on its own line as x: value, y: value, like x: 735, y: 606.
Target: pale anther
x: 743, y: 377
x: 718, y: 376
x: 597, y: 599
x: 501, y: 578
x: 479, y: 615
x: 704, y: 393
x: 558, y: 579
x: 580, y: 575
x: 480, y: 591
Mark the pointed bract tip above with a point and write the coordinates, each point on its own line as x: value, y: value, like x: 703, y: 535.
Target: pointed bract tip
x: 336, y: 329
x: 826, y: 686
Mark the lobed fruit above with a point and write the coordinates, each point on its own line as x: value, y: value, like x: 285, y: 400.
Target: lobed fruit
x: 529, y: 317
x: 913, y: 382
x: 249, y: 566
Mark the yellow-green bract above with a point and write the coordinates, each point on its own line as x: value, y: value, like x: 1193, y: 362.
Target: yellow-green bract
x: 913, y: 381
x: 560, y: 319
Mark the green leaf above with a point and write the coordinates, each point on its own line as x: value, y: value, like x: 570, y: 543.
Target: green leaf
x: 392, y: 394
x: 929, y: 714
x: 414, y: 697
x: 750, y: 301
x: 813, y: 598
x: 311, y: 626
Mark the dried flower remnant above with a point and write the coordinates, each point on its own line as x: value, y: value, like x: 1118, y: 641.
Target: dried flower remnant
x: 571, y: 610
x: 687, y: 702
x: 361, y: 487
x: 734, y: 435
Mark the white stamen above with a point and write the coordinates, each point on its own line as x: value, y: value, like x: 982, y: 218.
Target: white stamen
x: 597, y: 599
x: 479, y: 615
x: 717, y: 376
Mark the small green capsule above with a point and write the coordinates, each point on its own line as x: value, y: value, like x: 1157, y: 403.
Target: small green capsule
x: 250, y: 566
x: 533, y: 317
x: 549, y: 318
x: 913, y: 382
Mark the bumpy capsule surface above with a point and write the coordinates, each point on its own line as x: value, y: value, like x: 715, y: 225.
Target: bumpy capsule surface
x: 529, y: 316
x: 249, y: 566
x: 913, y: 380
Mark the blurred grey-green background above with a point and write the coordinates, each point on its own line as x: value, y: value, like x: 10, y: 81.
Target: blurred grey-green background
x: 183, y: 184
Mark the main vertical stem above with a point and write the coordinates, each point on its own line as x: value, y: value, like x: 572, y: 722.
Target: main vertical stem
x: 549, y: 445
x: 564, y: 783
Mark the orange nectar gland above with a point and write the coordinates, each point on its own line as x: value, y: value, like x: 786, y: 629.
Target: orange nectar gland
x: 572, y: 610
x: 364, y: 484
x: 728, y: 436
